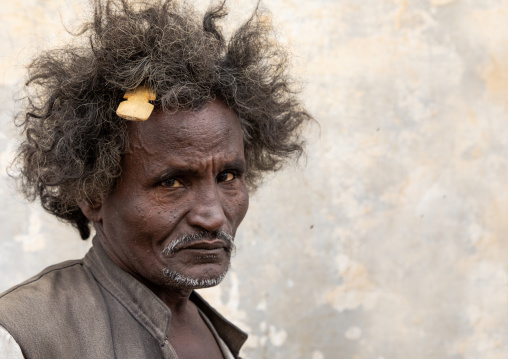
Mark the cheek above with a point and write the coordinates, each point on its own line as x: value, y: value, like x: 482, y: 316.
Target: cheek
x: 245, y: 203
x: 137, y: 214
x: 239, y: 207
x: 164, y: 215
x: 168, y: 208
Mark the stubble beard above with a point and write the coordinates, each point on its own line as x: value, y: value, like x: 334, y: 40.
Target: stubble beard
x: 176, y: 278
x: 184, y: 282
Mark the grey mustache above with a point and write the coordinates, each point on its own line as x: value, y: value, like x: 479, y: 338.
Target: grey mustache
x: 227, y: 238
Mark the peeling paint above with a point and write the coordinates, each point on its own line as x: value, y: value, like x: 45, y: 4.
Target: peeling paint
x: 441, y: 2
x: 357, y: 289
x: 277, y: 336
x: 495, y: 75
x: 353, y: 333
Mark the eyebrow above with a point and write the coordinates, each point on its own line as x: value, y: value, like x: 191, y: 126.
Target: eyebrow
x: 237, y: 164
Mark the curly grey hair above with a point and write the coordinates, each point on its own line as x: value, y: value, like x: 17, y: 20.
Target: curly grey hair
x: 74, y: 140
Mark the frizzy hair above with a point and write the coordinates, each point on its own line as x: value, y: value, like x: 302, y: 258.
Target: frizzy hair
x: 74, y: 141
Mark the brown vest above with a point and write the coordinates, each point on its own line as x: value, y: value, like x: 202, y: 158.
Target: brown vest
x: 91, y: 308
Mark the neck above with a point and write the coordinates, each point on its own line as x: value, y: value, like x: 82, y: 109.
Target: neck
x: 176, y: 299
x: 183, y: 310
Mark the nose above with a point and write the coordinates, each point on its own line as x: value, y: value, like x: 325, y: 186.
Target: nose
x: 207, y: 211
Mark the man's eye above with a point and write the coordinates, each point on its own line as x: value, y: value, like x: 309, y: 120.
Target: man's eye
x: 226, y: 177
x: 172, y: 183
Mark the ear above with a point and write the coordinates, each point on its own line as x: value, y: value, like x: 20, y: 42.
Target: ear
x: 91, y: 209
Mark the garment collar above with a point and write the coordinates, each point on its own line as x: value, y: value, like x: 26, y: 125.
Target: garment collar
x: 146, y: 307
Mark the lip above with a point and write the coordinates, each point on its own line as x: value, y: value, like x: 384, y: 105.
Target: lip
x: 206, y: 245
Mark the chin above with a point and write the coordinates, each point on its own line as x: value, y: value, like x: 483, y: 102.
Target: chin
x: 188, y: 281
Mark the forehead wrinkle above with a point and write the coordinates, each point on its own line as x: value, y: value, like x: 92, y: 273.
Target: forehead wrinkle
x: 142, y: 152
x: 155, y: 158
x: 140, y: 142
x: 182, y: 139
x: 192, y: 135
x: 192, y: 166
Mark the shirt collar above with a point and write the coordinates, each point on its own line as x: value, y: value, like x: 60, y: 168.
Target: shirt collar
x: 146, y: 307
x: 230, y: 333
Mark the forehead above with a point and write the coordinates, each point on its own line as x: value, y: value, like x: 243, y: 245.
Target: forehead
x: 212, y: 129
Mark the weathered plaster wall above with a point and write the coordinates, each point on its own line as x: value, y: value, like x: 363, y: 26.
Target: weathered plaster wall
x: 391, y: 242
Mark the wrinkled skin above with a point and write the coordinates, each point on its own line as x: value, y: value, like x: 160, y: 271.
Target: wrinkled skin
x: 184, y: 173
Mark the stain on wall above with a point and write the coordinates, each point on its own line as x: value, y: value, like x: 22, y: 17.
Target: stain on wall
x: 389, y: 240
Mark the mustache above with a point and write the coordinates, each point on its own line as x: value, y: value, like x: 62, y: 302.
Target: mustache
x: 173, y: 246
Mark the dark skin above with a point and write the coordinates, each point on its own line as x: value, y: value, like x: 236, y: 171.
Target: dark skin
x: 183, y: 173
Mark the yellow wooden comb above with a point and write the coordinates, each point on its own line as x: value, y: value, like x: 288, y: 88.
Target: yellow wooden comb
x: 137, y: 107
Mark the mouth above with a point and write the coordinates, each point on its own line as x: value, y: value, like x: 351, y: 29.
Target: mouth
x: 211, y: 243
x: 206, y: 251
x: 205, y: 245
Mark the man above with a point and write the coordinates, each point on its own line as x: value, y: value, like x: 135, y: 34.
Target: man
x: 165, y: 193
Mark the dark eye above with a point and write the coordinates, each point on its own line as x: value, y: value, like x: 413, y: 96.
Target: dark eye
x: 171, y: 182
x: 225, y: 177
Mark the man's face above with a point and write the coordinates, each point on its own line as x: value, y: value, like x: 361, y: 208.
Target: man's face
x: 182, y: 183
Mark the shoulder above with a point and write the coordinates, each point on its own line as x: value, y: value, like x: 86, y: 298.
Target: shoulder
x: 47, y: 274
x: 48, y: 280
x: 56, y: 289
x: 50, y: 305
x: 51, y: 302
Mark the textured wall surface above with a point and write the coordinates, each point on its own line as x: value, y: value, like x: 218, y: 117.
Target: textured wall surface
x: 391, y: 241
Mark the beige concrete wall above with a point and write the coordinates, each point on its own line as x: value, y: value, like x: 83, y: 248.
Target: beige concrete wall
x: 391, y: 243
